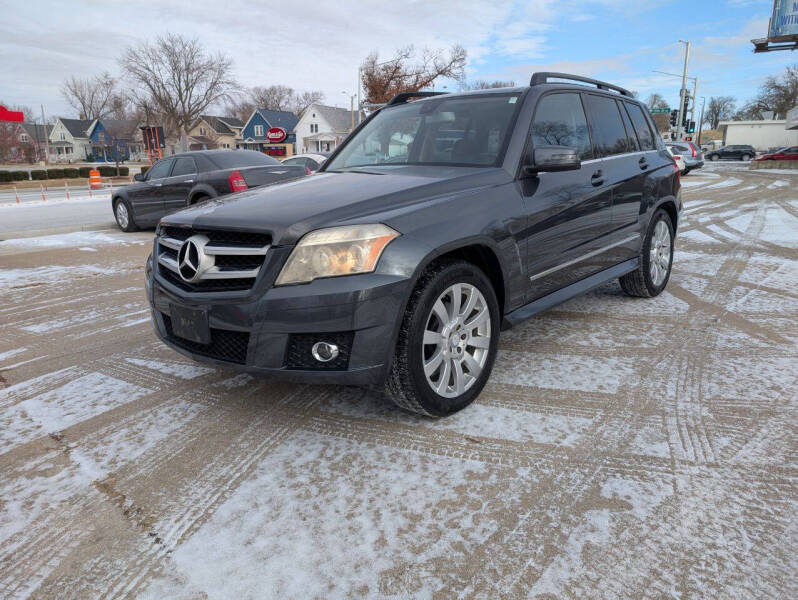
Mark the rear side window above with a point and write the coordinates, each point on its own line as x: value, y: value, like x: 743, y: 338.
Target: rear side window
x: 241, y: 158
x: 631, y: 138
x: 642, y: 128
x: 160, y: 169
x: 184, y: 166
x: 606, y: 126
x: 560, y: 121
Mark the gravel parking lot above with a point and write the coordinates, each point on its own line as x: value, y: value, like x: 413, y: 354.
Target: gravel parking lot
x: 623, y: 447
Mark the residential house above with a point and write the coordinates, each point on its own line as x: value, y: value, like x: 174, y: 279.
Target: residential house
x: 69, y: 140
x: 209, y: 132
x: 322, y: 128
x: 253, y: 135
x: 115, y: 140
x: 30, y: 145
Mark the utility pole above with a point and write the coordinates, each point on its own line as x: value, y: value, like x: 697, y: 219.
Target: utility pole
x: 683, y: 91
x: 359, y: 102
x: 701, y: 119
x: 46, y: 139
x: 695, y: 99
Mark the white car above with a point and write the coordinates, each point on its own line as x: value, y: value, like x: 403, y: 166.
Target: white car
x: 679, y: 161
x: 312, y: 161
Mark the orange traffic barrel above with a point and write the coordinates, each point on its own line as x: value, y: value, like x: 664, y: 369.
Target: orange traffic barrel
x: 95, y: 182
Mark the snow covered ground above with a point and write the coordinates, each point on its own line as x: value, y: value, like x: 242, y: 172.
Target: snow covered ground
x: 623, y: 448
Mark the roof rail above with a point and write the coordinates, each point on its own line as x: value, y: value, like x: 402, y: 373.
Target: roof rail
x: 403, y: 97
x: 544, y: 76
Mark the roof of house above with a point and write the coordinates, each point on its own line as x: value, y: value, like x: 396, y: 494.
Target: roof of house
x: 279, y: 118
x: 77, y: 127
x: 222, y: 125
x: 340, y: 119
x: 120, y: 128
x: 36, y: 131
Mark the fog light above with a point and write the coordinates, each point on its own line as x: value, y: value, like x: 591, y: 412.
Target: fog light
x: 324, y: 351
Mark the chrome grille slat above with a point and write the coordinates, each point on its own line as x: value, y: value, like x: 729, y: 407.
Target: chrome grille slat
x: 168, y: 262
x: 170, y: 242
x: 236, y: 250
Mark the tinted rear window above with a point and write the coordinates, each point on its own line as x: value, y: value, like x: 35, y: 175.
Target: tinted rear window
x: 606, y: 126
x: 642, y: 128
x: 241, y: 158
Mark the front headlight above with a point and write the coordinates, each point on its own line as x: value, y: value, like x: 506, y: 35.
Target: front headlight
x: 336, y: 251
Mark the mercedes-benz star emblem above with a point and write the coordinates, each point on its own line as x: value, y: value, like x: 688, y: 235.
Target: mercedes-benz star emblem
x: 188, y: 260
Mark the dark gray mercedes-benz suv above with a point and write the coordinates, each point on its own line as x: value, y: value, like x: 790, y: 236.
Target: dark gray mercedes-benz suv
x: 442, y: 219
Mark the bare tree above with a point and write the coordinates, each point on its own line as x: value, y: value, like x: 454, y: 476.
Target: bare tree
x: 177, y: 78
x: 403, y: 73
x: 305, y: 99
x: 656, y: 101
x: 778, y: 94
x: 273, y: 97
x: 719, y: 108
x: 90, y: 97
x: 482, y: 84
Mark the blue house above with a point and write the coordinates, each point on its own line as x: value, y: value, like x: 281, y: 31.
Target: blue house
x: 113, y: 140
x: 253, y: 136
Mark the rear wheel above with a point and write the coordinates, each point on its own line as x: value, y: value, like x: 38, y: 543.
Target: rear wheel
x: 746, y: 157
x: 714, y: 157
x: 447, y: 341
x: 197, y: 199
x: 124, y: 215
x: 656, y: 259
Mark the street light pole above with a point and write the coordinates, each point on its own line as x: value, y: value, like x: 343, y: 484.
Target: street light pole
x: 683, y: 91
x: 701, y: 119
x: 695, y: 99
x: 46, y: 139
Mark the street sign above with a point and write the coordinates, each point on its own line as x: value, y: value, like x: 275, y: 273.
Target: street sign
x: 660, y: 111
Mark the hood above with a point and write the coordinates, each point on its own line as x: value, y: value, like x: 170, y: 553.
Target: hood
x: 289, y: 210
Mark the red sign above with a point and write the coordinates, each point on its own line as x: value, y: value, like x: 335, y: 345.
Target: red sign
x: 276, y: 134
x: 13, y: 115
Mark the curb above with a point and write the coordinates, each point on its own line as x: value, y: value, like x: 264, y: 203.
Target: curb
x: 13, y: 235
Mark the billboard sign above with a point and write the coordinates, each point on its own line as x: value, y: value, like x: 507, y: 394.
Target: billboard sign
x: 12, y: 116
x: 784, y: 21
x: 276, y: 134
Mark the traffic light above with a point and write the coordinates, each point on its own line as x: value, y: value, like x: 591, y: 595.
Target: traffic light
x: 674, y: 117
x: 691, y: 127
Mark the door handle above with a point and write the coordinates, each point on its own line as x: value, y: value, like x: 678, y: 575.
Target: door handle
x: 597, y: 179
x: 189, y: 181
x: 157, y: 184
x: 643, y: 162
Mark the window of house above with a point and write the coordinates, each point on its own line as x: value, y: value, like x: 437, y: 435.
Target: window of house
x: 258, y: 130
x: 24, y: 137
x: 63, y: 137
x: 202, y: 131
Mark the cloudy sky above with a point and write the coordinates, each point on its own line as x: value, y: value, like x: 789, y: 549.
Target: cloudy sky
x: 318, y: 45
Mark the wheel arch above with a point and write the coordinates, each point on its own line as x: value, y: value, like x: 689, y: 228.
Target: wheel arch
x: 669, y: 206
x: 200, y: 191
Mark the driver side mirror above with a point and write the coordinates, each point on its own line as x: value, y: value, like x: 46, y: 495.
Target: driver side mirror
x: 552, y: 158
x: 139, y: 176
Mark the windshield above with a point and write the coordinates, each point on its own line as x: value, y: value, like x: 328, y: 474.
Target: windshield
x: 468, y: 131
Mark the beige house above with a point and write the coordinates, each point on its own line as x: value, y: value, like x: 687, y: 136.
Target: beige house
x: 209, y: 132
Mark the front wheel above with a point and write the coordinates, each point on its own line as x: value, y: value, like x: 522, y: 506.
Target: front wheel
x: 124, y: 215
x: 447, y: 341
x: 714, y: 157
x: 746, y: 157
x: 656, y: 259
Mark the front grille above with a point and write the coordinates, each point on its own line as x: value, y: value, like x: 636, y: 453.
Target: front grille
x: 229, y: 346
x: 299, y: 355
x: 233, y: 258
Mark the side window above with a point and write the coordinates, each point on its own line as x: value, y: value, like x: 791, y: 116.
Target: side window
x: 160, y: 169
x: 631, y: 138
x: 560, y: 121
x: 184, y: 166
x: 642, y: 128
x: 606, y: 127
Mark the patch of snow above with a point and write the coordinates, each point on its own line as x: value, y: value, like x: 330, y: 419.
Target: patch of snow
x: 87, y: 249
x: 64, y: 406
x: 11, y: 353
x: 176, y: 369
x: 778, y: 171
x: 83, y: 239
x: 730, y: 182
x: 779, y: 183
x: 18, y: 278
x: 564, y: 372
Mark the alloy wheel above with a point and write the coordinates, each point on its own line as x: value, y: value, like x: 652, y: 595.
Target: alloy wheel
x: 121, y: 215
x: 456, y: 340
x: 659, y: 257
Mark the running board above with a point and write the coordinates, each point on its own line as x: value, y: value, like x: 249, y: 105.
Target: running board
x: 526, y: 311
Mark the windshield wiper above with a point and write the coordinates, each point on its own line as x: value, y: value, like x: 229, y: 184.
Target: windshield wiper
x: 354, y: 171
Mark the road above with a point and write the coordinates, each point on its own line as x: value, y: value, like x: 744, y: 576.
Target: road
x: 623, y: 447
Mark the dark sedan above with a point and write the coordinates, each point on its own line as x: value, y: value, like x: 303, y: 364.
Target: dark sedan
x: 733, y: 152
x: 181, y: 180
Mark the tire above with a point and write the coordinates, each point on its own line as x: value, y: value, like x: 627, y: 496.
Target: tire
x: 746, y: 157
x: 642, y: 282
x: 714, y: 157
x: 197, y: 199
x: 124, y: 215
x: 408, y: 385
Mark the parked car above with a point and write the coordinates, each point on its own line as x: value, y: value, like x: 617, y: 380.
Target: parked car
x: 442, y: 220
x: 181, y: 180
x: 677, y: 158
x: 735, y: 152
x: 786, y: 153
x: 313, y: 161
x: 689, y: 152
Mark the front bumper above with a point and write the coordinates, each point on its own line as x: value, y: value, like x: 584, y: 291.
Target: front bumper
x: 365, y: 309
